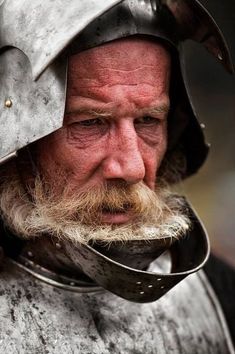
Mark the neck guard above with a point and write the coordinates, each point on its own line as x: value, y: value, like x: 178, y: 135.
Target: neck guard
x: 121, y: 268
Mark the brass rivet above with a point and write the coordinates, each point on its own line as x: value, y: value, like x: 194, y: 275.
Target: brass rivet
x: 150, y: 286
x: 202, y: 125
x: 163, y: 287
x: 30, y: 254
x: 139, y: 283
x: 142, y: 293
x: 159, y: 279
x: 220, y: 56
x: 8, y: 103
x: 58, y: 246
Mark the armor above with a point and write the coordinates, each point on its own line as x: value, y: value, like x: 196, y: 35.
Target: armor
x: 33, y: 75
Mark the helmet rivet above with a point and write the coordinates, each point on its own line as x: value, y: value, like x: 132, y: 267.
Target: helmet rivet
x: 8, y: 103
x: 220, y: 56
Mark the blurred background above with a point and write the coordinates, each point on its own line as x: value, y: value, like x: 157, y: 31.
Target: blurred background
x: 212, y: 190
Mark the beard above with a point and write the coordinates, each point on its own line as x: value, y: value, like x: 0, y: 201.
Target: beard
x: 31, y: 212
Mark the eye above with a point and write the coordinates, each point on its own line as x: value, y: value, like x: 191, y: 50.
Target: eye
x: 90, y: 122
x: 147, y: 120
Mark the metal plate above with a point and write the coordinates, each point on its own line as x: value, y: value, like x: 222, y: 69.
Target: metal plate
x: 42, y: 29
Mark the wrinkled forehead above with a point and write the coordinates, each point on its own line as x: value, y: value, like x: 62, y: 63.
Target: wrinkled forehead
x: 131, y: 60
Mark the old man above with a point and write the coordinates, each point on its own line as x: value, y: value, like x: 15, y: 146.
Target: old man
x: 98, y: 119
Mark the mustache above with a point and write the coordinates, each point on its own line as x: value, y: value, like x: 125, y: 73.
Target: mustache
x: 40, y: 209
x: 87, y: 206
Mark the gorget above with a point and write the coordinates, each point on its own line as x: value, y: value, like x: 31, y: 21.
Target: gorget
x: 121, y: 268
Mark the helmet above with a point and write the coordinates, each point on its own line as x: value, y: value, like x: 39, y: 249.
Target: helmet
x: 33, y: 68
x: 33, y: 71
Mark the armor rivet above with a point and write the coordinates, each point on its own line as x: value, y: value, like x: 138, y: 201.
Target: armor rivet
x: 142, y: 293
x: 8, y: 103
x: 58, y: 245
x: 138, y: 283
x: 220, y: 56
x: 72, y: 283
x: 30, y: 254
x: 202, y: 125
x: 163, y: 287
x: 150, y: 286
x: 159, y: 279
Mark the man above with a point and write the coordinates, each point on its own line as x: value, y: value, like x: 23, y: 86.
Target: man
x: 88, y: 206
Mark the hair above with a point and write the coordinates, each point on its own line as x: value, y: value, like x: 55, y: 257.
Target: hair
x: 36, y: 210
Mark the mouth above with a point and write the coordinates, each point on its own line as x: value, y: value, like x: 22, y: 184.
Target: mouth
x: 116, y: 215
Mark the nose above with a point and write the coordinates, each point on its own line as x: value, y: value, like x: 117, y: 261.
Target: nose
x: 124, y: 159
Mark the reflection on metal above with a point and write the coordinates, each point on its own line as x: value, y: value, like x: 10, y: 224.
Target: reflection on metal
x: 39, y: 107
x: 8, y: 157
x: 53, y: 279
x: 56, y: 23
x: 195, y: 22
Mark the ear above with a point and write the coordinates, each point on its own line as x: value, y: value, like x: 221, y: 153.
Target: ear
x: 194, y: 22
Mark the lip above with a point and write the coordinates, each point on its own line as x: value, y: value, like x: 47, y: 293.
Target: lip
x: 116, y: 218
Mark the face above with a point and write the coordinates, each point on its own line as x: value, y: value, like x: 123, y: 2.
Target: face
x: 115, y: 124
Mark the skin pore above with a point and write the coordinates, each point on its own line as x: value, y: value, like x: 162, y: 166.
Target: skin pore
x: 115, y: 124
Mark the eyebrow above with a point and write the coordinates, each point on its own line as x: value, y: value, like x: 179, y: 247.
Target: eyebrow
x: 162, y: 109
x: 99, y: 112
x: 92, y: 112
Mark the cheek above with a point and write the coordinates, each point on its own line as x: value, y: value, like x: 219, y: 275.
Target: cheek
x: 154, y: 153
x: 62, y: 158
x: 52, y: 155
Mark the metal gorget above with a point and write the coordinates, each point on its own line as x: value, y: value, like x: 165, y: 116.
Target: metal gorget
x: 122, y: 268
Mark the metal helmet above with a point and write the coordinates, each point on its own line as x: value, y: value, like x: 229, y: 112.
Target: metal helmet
x: 33, y: 61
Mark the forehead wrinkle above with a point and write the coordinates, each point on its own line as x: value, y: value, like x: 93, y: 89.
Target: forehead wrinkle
x: 102, y: 78
x: 126, y: 70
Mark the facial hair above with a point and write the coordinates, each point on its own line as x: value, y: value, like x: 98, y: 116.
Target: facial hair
x: 75, y: 215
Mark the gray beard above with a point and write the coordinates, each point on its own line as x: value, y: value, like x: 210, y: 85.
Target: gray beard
x: 29, y: 219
